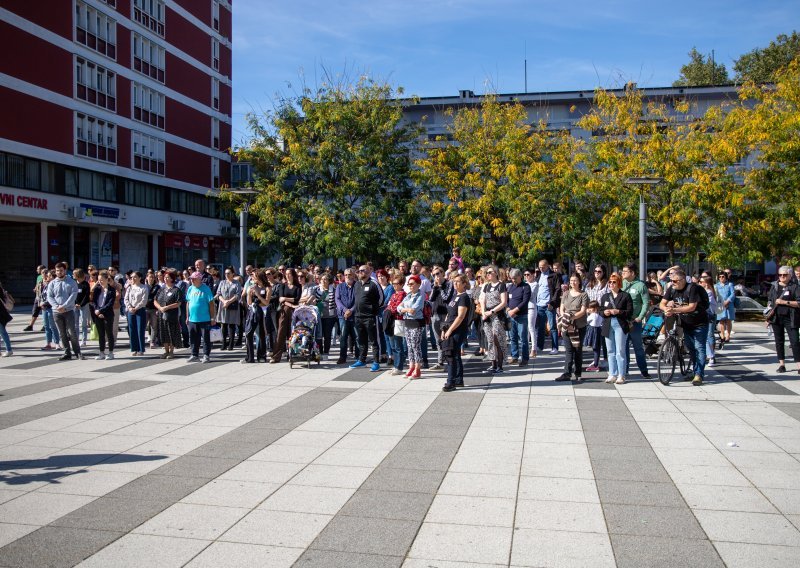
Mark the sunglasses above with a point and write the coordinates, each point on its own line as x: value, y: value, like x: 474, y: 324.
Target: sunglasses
x: 527, y: 274
x: 361, y: 270
x: 675, y: 281
x: 598, y: 271
x: 782, y: 275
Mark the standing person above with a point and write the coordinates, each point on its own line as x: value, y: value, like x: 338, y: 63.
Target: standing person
x: 208, y: 279
x: 398, y: 339
x: 368, y: 302
x: 37, y: 288
x: 494, y: 299
x: 414, y: 325
x: 548, y: 298
x: 441, y: 295
x: 136, y: 295
x: 5, y: 317
x: 153, y: 288
x: 327, y: 310
x: 690, y: 303
x: 727, y: 295
x: 168, y: 303
x: 454, y: 332
x: 228, y: 293
x: 51, y: 335
x: 617, y: 308
x: 200, y: 312
x: 288, y: 293
x: 640, y: 297
x: 708, y: 285
x: 117, y: 281
x: 61, y: 294
x: 596, y: 288
x: 258, y: 299
x: 426, y: 289
x: 519, y: 297
x: 388, y: 292
x: 574, y: 304
x: 784, y: 296
x: 83, y: 313
x: 102, y: 306
x: 345, y: 301
x: 533, y: 284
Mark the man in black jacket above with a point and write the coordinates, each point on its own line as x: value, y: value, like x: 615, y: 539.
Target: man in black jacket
x: 548, y: 301
x: 368, y: 302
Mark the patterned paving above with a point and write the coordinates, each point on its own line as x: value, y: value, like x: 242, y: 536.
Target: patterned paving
x: 159, y: 463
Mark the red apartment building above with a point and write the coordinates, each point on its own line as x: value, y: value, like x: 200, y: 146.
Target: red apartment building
x: 115, y: 125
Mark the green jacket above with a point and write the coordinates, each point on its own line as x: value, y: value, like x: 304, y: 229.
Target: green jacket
x: 640, y: 296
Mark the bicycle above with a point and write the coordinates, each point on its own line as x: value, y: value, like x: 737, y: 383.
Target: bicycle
x: 672, y: 354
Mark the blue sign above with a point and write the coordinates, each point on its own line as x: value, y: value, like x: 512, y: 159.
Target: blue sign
x: 100, y: 211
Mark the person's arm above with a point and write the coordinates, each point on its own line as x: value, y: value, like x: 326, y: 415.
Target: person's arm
x: 482, y: 302
x: 462, y: 314
x: 584, y: 307
x: 626, y: 311
x: 645, y: 295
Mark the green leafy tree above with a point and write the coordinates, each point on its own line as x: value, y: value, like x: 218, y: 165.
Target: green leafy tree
x: 761, y: 64
x: 334, y: 174
x: 702, y: 71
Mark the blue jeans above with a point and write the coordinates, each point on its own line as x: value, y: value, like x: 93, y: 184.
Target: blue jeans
x: 519, y: 337
x: 544, y: 317
x: 617, y: 344
x: 83, y: 321
x: 635, y: 339
x: 5, y: 338
x: 50, y: 329
x: 398, y: 351
x: 136, y: 324
x: 710, y: 339
x: 695, y: 339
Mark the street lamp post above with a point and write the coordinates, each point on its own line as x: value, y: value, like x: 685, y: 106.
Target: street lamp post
x: 641, y: 183
x: 247, y: 193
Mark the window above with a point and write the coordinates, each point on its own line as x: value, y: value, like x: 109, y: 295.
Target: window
x: 148, y: 57
x: 85, y: 184
x: 95, y: 84
x: 215, y: 133
x: 47, y: 177
x: 215, y: 93
x: 70, y: 182
x: 148, y: 106
x: 16, y: 171
x: 32, y: 174
x: 95, y: 138
x: 150, y: 13
x: 215, y: 15
x: 215, y: 172
x: 215, y: 54
x: 148, y: 153
x: 95, y: 30
x: 241, y: 175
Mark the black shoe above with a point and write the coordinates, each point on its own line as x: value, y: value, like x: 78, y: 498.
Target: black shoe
x: 28, y: 328
x: 460, y: 384
x: 499, y: 370
x: 523, y: 363
x: 448, y: 387
x: 781, y: 369
x: 646, y: 376
x: 246, y: 360
x: 65, y: 358
x: 425, y: 364
x: 341, y: 361
x: 477, y: 352
x: 564, y: 377
x: 578, y: 379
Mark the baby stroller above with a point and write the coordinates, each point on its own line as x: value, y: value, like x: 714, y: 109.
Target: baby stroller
x: 651, y: 330
x: 303, y: 344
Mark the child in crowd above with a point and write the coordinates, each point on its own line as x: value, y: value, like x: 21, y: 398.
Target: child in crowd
x: 593, y: 336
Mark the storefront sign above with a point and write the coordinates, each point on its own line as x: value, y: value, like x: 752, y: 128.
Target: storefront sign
x: 197, y: 242
x: 100, y: 211
x: 22, y: 201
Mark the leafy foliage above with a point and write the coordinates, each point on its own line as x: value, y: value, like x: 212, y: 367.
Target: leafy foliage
x: 761, y: 64
x: 702, y: 71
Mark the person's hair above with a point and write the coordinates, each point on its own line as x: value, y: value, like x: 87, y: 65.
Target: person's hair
x: 137, y: 273
x: 463, y: 279
x: 382, y: 272
x: 632, y: 268
x: 615, y: 277
x: 261, y: 277
x: 325, y: 276
x: 153, y: 274
x: 578, y: 276
x: 414, y: 278
x: 102, y: 274
x: 40, y: 267
x: 398, y: 277
x: 593, y: 305
x: 173, y: 274
x: 708, y: 280
x: 652, y: 275
x: 514, y: 272
x: 301, y: 274
x: 61, y: 265
x: 491, y: 267
x: 78, y: 273
x: 679, y: 272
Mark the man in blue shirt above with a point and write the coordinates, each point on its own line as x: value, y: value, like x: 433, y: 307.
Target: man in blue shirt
x: 200, y: 311
x: 547, y: 302
x: 519, y: 294
x: 345, y: 297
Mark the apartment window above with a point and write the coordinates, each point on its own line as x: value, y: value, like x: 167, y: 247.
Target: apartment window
x: 148, y: 57
x: 150, y: 13
x: 215, y: 93
x: 215, y: 54
x: 215, y: 133
x: 95, y: 84
x: 95, y: 138
x: 215, y: 15
x: 241, y: 175
x: 148, y: 153
x: 148, y: 106
x: 95, y: 30
x: 214, y: 172
x: 16, y: 171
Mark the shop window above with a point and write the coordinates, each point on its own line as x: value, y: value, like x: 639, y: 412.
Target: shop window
x: 16, y: 171
x: 95, y: 30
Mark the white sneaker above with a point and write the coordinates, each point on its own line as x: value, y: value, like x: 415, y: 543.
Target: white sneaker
x: 7, y: 354
x: 611, y: 379
x: 205, y: 359
x: 110, y: 356
x: 711, y: 362
x: 100, y: 357
x: 192, y: 359
x: 83, y: 344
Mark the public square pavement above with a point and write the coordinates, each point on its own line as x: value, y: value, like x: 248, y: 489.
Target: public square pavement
x: 145, y: 462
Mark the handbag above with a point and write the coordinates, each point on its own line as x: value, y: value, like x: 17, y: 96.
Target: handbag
x: 388, y: 322
x: 399, y: 328
x: 769, y: 313
x: 94, y: 335
x: 9, y: 302
x: 720, y: 309
x: 216, y: 334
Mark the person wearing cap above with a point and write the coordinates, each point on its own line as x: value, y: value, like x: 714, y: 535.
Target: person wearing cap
x: 784, y: 297
x: 200, y: 312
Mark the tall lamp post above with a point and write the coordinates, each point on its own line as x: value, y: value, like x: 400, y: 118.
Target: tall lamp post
x: 641, y: 183
x: 247, y: 194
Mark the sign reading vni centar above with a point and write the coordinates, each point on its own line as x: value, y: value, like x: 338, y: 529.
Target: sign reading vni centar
x: 22, y: 201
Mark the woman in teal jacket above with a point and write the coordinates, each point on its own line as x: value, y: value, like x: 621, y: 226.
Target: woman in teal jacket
x: 727, y: 296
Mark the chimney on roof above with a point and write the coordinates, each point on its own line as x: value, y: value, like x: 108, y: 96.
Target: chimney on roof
x: 466, y: 94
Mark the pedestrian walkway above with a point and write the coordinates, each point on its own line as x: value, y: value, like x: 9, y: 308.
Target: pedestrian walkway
x: 147, y: 462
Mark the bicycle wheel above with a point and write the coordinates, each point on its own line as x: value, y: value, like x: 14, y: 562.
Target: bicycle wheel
x: 667, y: 359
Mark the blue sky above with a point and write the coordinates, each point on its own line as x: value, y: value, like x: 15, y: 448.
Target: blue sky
x: 435, y: 48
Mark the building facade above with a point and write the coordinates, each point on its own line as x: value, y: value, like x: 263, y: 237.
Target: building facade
x: 115, y: 130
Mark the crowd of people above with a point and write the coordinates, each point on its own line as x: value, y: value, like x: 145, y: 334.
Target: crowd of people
x: 401, y: 312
